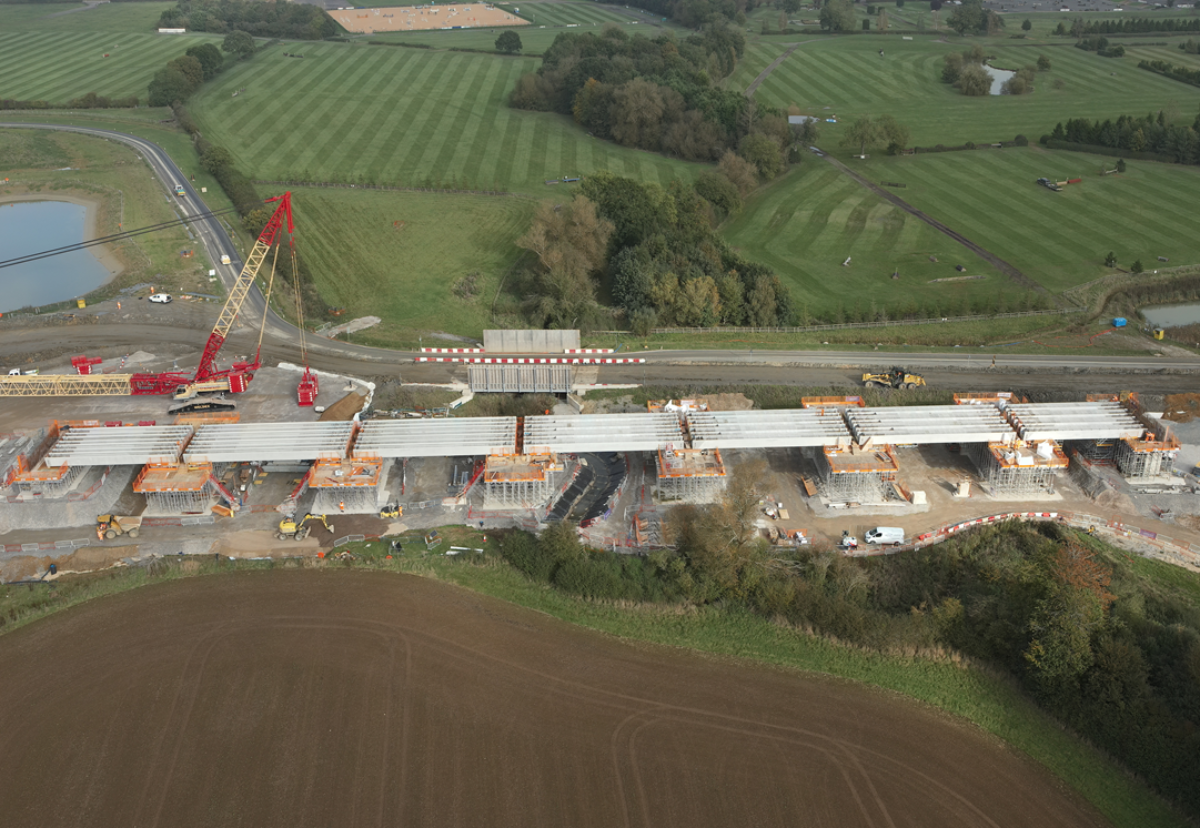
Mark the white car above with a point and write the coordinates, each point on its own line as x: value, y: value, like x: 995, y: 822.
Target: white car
x: 160, y: 298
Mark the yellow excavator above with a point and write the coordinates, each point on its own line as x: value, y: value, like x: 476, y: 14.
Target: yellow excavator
x: 895, y: 378
x: 292, y: 529
x: 391, y: 510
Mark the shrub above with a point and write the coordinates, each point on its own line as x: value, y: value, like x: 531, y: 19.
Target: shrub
x: 1021, y: 141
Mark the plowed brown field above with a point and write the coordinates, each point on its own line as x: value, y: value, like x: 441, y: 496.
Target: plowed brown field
x: 342, y: 700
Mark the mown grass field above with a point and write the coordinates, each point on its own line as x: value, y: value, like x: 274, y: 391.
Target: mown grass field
x: 805, y: 224
x: 364, y: 262
x: 572, y: 14
x: 59, y: 58
x: 846, y: 77
x: 404, y: 116
x: 1059, y: 239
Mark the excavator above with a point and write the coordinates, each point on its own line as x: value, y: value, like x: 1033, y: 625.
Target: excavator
x: 895, y: 378
x: 292, y: 529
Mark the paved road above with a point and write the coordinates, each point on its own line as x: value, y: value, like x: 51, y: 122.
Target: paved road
x: 967, y: 370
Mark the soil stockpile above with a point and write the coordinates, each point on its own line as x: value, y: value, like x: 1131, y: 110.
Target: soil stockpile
x: 337, y: 698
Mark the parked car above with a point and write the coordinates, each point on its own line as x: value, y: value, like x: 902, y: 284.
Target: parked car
x: 160, y: 298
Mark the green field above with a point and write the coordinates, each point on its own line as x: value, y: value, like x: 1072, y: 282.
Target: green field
x: 846, y: 78
x: 403, y: 116
x: 569, y: 14
x: 59, y: 58
x: 806, y: 223
x: 364, y: 262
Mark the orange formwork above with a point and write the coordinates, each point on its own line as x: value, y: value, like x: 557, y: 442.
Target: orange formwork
x: 674, y: 463
x: 852, y: 401
x: 879, y: 460
x: 1025, y: 455
x: 172, y: 477
x: 208, y: 418
x: 519, y: 468
x: 344, y: 474
x: 986, y: 397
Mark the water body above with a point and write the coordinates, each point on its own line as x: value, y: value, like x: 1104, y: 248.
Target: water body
x: 1169, y: 316
x: 33, y: 226
x: 999, y: 76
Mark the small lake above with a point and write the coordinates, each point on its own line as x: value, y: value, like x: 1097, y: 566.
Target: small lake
x: 1170, y: 316
x: 999, y: 76
x: 28, y: 227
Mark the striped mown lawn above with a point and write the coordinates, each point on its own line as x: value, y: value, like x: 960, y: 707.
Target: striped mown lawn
x: 1058, y: 239
x: 847, y: 77
x: 63, y: 57
x: 370, y: 114
x: 566, y: 14
x: 808, y: 222
x: 405, y: 273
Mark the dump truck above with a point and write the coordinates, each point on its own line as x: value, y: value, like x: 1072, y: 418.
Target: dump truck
x: 110, y: 526
x: 895, y: 378
x: 290, y: 528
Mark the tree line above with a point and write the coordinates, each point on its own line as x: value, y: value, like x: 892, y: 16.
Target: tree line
x: 657, y: 94
x: 1179, y: 73
x: 1152, y: 133
x: 1100, y: 46
x: 1110, y: 652
x: 1130, y: 25
x: 262, y: 19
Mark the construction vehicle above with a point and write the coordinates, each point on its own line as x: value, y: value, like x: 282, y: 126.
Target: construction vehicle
x: 110, y: 526
x: 392, y: 510
x: 290, y: 528
x: 895, y: 378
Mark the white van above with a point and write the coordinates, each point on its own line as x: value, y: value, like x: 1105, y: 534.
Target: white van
x: 884, y: 535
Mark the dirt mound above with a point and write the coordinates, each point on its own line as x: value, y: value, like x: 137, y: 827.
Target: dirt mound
x: 345, y: 408
x: 325, y: 696
x: 1181, y: 408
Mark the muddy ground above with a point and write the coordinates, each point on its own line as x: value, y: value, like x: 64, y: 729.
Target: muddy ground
x: 338, y: 698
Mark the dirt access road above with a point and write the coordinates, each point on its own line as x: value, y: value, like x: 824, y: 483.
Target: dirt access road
x: 332, y: 697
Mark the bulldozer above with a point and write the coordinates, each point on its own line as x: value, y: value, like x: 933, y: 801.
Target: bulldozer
x: 392, y: 510
x: 895, y: 378
x: 109, y: 526
x: 290, y: 528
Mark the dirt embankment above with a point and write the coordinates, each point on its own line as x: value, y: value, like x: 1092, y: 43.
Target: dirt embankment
x: 317, y: 698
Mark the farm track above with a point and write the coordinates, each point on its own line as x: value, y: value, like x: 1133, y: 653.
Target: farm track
x: 991, y: 258
x: 418, y: 703
x: 764, y: 74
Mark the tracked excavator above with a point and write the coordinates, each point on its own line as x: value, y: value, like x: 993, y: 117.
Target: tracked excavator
x: 292, y: 529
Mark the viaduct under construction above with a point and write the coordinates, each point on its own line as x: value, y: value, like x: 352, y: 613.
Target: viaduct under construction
x: 525, y: 463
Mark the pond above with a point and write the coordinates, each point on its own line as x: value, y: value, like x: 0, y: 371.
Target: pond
x: 1170, y: 316
x: 999, y: 76
x: 28, y: 227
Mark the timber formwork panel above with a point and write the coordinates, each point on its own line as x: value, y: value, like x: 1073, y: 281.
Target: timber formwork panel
x: 66, y: 385
x: 786, y: 428
x: 443, y: 437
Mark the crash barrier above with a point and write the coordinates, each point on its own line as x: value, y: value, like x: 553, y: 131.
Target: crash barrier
x: 47, y: 546
x: 1161, y: 547
x: 185, y: 520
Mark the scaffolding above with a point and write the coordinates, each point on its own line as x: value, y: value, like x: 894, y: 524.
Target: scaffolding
x: 347, y: 486
x: 857, y: 475
x: 177, y: 488
x: 1150, y: 456
x: 521, y: 481
x: 690, y: 475
x: 47, y: 481
x: 1020, y: 468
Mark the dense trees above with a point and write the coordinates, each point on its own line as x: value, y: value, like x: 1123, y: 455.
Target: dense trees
x: 657, y: 94
x: 210, y: 58
x: 865, y: 133
x: 837, y: 16
x: 656, y: 247
x: 239, y: 43
x: 1136, y: 25
x: 176, y: 81
x: 1021, y: 83
x: 263, y: 19
x: 972, y: 18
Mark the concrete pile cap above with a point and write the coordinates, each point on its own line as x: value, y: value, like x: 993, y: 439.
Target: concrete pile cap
x: 788, y: 428
x: 119, y: 446
x: 930, y: 424
x: 602, y: 432
x: 442, y: 437
x: 1074, y: 421
x: 270, y: 442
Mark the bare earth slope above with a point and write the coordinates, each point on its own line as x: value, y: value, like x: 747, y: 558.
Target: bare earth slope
x: 334, y: 698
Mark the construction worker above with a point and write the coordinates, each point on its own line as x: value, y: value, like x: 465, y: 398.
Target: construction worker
x: 342, y: 506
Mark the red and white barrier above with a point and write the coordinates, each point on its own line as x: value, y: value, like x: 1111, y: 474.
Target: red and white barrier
x: 452, y: 350
x: 537, y: 360
x: 588, y: 351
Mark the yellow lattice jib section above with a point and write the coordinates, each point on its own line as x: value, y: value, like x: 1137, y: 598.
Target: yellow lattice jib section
x: 94, y: 385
